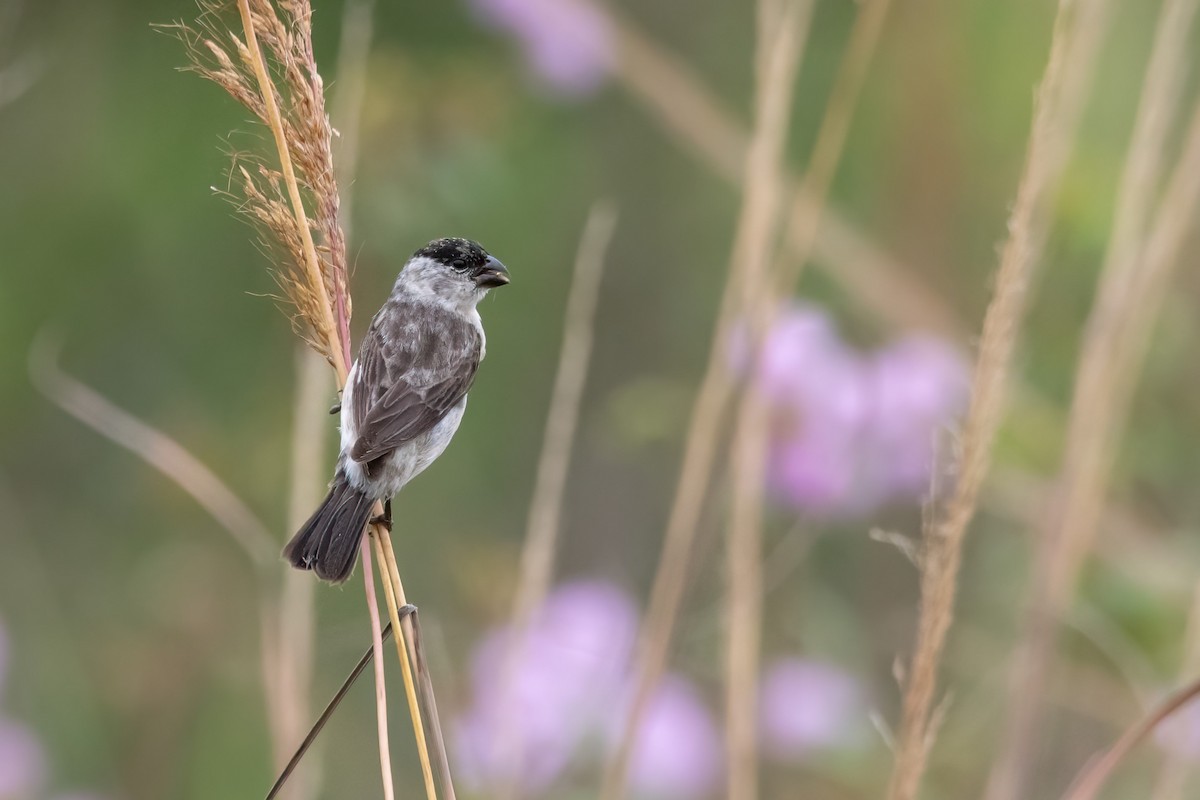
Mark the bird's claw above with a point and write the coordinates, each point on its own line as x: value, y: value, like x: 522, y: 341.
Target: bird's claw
x: 384, y: 520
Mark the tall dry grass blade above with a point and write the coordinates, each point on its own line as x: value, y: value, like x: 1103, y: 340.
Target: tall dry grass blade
x: 411, y: 644
x: 313, y: 390
x: 781, y: 33
x: 391, y: 579
x: 1091, y: 780
x: 293, y: 676
x: 429, y: 703
x: 694, y: 118
x: 1176, y: 766
x: 312, y: 275
x: 1078, y: 29
x: 330, y: 707
x: 297, y: 618
x: 381, y: 719
x: 558, y: 439
x: 155, y: 448
x: 700, y: 448
x: 1128, y: 297
x: 354, y: 47
x: 763, y: 292
x: 294, y: 111
x: 337, y: 346
x: 809, y: 205
x: 202, y: 484
x: 545, y: 506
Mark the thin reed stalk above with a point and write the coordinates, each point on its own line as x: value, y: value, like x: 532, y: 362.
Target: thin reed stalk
x: 440, y: 757
x: 545, y: 506
x: 763, y: 294
x: 781, y: 34
x: 296, y: 621
x: 1176, y: 766
x: 381, y: 719
x: 393, y: 605
x: 313, y: 277
x: 336, y: 331
x: 157, y: 449
x: 338, y: 346
x: 1091, y: 780
x: 297, y: 618
x: 283, y: 699
x: 810, y: 203
x: 397, y: 598
x: 1129, y: 295
x: 716, y: 389
x: 693, y: 117
x: 566, y: 396
x: 1078, y: 29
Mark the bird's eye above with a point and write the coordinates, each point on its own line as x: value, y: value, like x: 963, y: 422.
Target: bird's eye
x: 459, y: 264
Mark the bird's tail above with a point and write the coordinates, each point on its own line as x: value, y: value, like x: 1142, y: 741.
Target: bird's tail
x: 328, y: 542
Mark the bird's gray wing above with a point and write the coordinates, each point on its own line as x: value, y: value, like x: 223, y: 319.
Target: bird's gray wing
x: 410, y: 374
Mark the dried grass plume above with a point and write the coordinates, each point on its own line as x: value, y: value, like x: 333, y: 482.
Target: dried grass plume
x: 295, y: 207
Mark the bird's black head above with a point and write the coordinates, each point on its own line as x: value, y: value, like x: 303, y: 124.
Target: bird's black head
x: 467, y: 258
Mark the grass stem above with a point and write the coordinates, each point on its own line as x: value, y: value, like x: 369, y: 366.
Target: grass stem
x: 393, y: 593
x: 337, y: 345
x: 381, y: 716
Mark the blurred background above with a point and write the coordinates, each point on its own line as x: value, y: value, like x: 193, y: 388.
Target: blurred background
x: 130, y: 652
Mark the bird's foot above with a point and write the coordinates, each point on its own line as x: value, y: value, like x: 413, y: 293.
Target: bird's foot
x: 384, y: 520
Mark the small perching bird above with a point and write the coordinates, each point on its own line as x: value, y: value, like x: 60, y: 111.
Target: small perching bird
x: 404, y: 396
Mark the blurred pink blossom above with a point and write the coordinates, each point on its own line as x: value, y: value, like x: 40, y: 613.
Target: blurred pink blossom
x: 570, y: 685
x: 678, y: 752
x: 22, y: 762
x: 571, y: 666
x: 917, y: 386
x: 568, y: 44
x: 851, y: 430
x: 805, y: 706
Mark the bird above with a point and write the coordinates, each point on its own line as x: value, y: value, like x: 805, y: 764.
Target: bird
x: 404, y: 397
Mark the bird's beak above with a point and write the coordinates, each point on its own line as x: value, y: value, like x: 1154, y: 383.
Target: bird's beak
x: 491, y: 274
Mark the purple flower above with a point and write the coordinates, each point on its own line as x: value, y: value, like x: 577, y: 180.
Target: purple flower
x: 807, y: 705
x: 571, y: 684
x: 22, y: 762
x: 851, y: 431
x: 678, y: 755
x: 814, y: 464
x: 568, y: 672
x: 918, y: 385
x: 568, y: 44
x: 814, y: 383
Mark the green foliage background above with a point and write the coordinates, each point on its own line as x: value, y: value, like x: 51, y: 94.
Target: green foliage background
x: 133, y: 618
